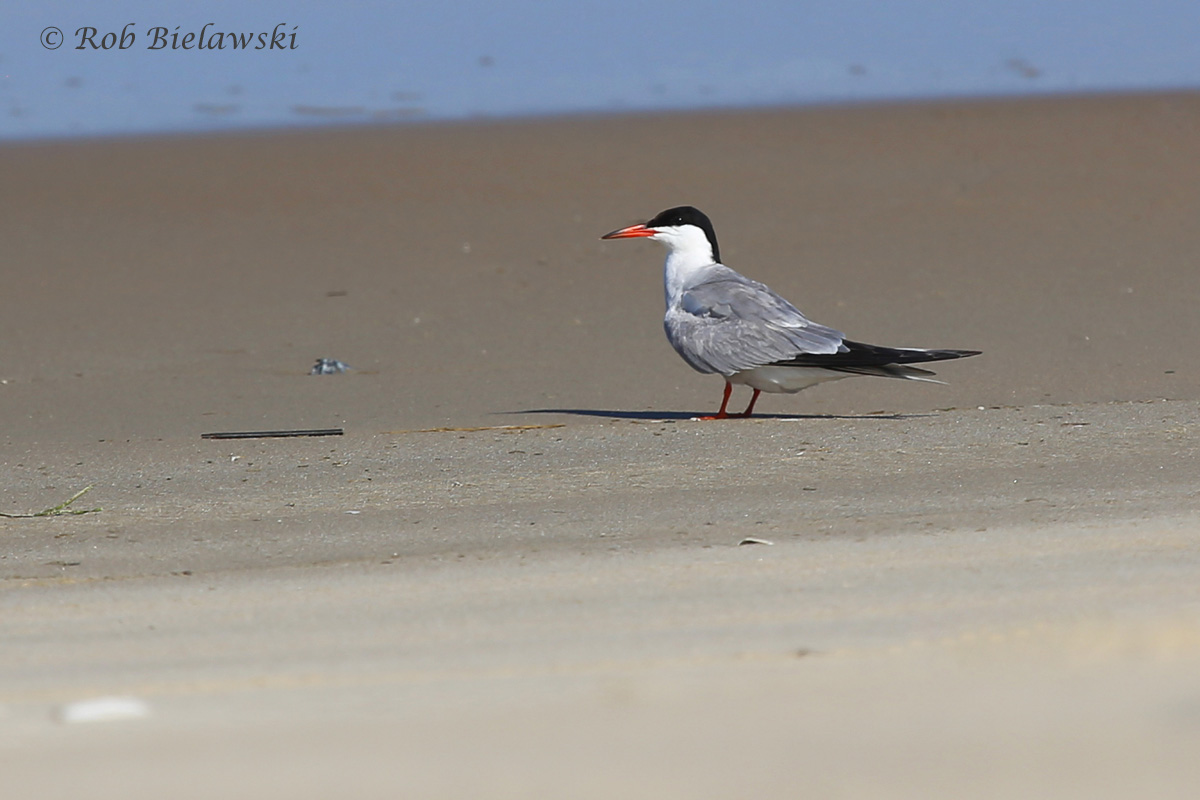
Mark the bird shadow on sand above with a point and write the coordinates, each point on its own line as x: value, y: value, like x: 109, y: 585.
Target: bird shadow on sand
x: 653, y: 416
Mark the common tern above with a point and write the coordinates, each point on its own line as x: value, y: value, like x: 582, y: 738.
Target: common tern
x: 720, y: 321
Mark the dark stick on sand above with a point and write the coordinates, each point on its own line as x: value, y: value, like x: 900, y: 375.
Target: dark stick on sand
x: 272, y: 434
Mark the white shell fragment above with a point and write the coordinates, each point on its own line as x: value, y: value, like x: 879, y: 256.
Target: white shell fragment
x: 753, y: 540
x: 329, y: 366
x: 104, y: 709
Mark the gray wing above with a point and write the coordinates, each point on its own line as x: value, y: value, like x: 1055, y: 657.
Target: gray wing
x: 727, y: 323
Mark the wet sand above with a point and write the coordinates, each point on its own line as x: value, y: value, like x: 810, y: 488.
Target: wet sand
x: 984, y: 588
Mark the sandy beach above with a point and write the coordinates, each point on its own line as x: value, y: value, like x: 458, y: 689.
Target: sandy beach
x: 525, y: 570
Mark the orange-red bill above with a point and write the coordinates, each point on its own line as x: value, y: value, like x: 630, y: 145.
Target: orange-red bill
x: 632, y: 232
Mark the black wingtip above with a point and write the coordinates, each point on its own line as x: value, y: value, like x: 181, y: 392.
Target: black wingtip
x: 858, y: 354
x: 946, y: 355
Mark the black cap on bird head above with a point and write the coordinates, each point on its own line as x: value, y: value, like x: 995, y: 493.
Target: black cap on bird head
x: 688, y: 215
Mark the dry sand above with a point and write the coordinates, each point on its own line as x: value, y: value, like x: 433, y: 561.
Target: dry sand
x: 984, y: 589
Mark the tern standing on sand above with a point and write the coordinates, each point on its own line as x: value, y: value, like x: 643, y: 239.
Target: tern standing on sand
x: 720, y: 321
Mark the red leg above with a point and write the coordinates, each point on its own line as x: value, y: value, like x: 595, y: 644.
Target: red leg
x: 724, y: 403
x: 750, y: 408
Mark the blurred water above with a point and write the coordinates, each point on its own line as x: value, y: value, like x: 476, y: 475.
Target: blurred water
x: 374, y: 61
